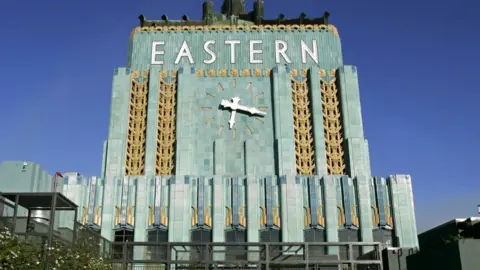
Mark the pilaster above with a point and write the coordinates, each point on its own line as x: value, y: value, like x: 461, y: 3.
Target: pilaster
x: 185, y: 156
x: 291, y: 209
x: 365, y: 210
x: 219, y: 157
x: 152, y: 122
x: 179, y: 209
x: 331, y: 211
x: 358, y: 161
x: 116, y: 145
x: 218, y: 230
x: 317, y: 119
x: 83, y: 197
x: 141, y: 216
x: 251, y: 157
x: 109, y: 197
x: 355, y: 145
x: 403, y: 211
x: 350, y: 102
x: 104, y: 158
x: 76, y: 191
x: 117, y: 131
x: 253, y: 216
x: 283, y: 121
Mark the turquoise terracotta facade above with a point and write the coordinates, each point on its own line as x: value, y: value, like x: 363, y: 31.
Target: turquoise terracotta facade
x: 246, y: 180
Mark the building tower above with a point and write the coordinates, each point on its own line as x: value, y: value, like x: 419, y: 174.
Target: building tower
x: 237, y: 128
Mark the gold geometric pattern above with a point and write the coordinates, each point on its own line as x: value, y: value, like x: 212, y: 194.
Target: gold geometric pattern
x: 375, y: 216
x: 242, y: 220
x: 322, y: 27
x: 165, y: 154
x: 206, y: 213
x: 341, y: 216
x: 307, y: 219
x: 388, y: 217
x: 302, y: 123
x: 355, y: 220
x: 233, y: 73
x: 332, y: 125
x: 275, y: 216
x: 137, y: 128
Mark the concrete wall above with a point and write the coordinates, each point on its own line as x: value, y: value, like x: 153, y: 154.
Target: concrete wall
x: 469, y: 253
x: 443, y: 248
x: 24, y: 176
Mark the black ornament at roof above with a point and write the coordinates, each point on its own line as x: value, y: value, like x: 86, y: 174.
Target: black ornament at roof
x: 234, y: 9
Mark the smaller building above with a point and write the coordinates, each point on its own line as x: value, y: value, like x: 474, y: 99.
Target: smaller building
x: 24, y: 176
x: 454, y: 245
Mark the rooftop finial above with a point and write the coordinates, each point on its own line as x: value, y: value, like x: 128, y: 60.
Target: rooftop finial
x: 234, y: 12
x: 142, y: 19
x: 233, y: 7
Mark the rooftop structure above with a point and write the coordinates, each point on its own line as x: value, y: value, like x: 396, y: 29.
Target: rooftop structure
x: 234, y: 12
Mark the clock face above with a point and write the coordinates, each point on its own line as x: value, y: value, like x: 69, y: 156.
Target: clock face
x: 235, y: 108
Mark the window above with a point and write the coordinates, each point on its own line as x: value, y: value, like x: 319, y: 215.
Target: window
x: 236, y: 252
x: 157, y: 252
x: 272, y: 236
x: 122, y: 236
x: 201, y: 236
x: 198, y: 237
x: 383, y: 236
x: 315, y: 236
x: 348, y: 235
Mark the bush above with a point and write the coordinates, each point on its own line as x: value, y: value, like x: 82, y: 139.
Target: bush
x: 18, y: 254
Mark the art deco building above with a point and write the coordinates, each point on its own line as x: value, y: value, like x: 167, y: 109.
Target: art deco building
x: 238, y: 128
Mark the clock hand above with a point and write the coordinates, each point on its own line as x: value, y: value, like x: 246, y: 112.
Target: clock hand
x: 228, y: 104
x: 231, y: 122
x: 254, y: 110
x: 251, y: 110
x: 235, y: 106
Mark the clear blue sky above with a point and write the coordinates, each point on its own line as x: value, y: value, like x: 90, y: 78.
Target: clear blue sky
x: 418, y: 71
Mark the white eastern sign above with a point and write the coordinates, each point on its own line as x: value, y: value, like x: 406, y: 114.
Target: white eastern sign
x: 255, y: 51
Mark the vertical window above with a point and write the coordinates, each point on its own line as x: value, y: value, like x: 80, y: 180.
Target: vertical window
x: 315, y: 236
x: 236, y: 252
x: 199, y: 237
x: 383, y: 236
x: 348, y: 235
x: 122, y: 236
x: 272, y: 236
x: 157, y: 252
